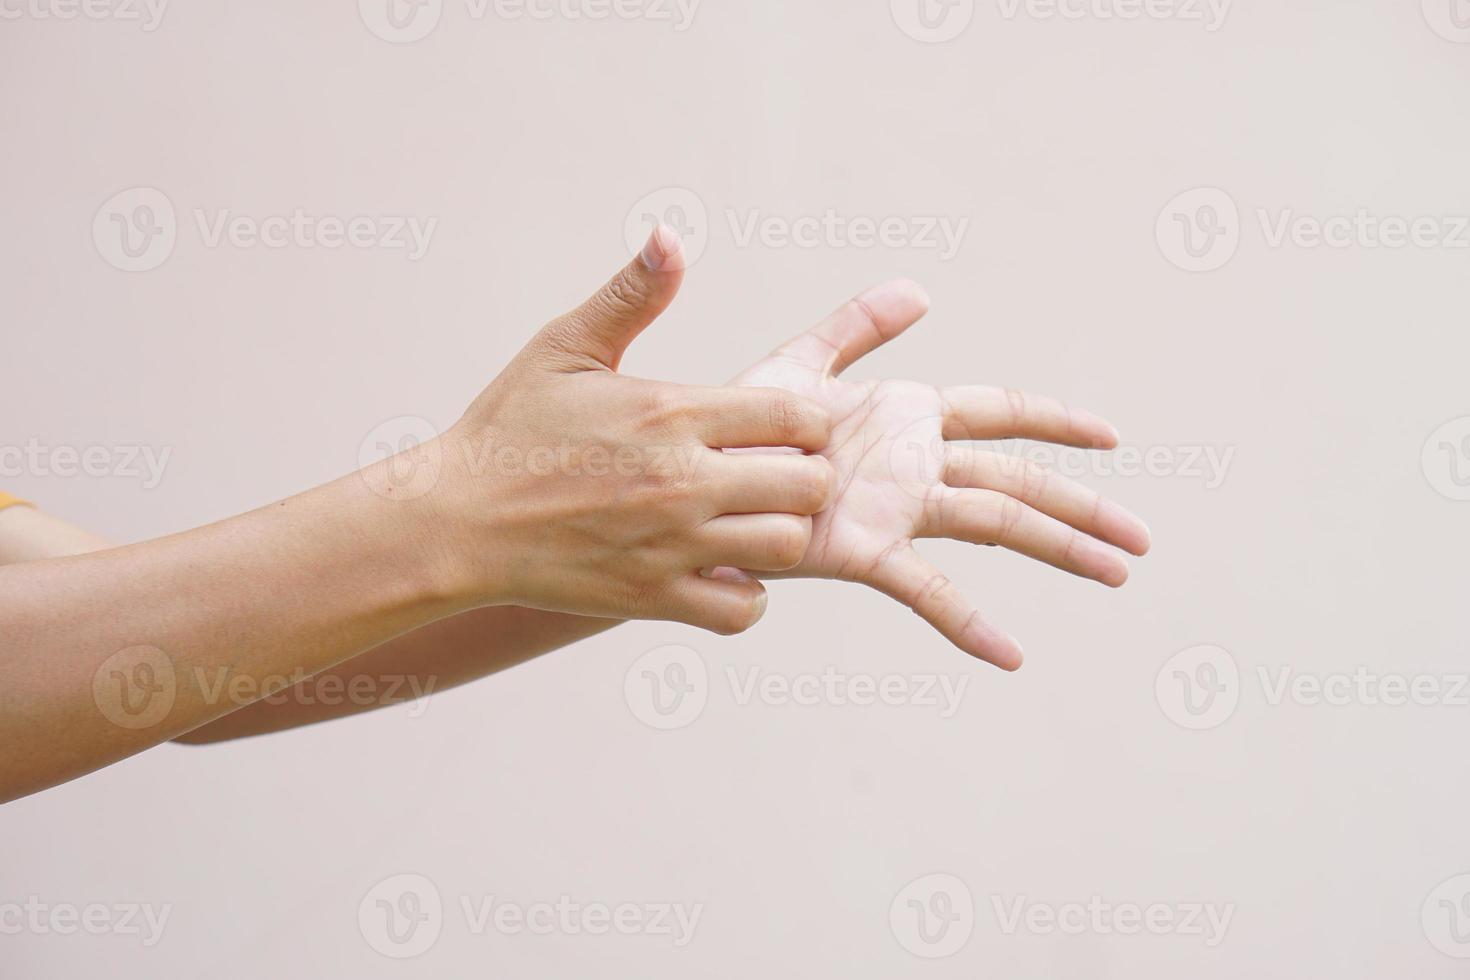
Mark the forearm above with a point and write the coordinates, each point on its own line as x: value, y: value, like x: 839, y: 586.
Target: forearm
x: 106, y: 654
x: 439, y: 656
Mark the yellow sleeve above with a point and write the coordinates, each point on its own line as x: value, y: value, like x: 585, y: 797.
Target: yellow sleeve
x: 6, y: 500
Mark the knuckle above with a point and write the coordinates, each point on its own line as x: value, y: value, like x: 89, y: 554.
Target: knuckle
x: 785, y: 417
x: 624, y: 293
x: 735, y: 617
x: 814, y: 486
x: 934, y: 592
x: 1034, y: 480
x: 1015, y: 406
x: 788, y: 542
x: 664, y: 405
x: 1008, y: 516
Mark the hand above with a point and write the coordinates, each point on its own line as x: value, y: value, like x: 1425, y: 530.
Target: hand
x: 572, y: 488
x: 902, y: 474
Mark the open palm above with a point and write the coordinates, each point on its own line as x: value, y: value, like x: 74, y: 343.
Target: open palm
x: 903, y: 473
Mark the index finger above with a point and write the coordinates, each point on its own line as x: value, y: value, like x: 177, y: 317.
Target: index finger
x: 743, y: 418
x: 860, y: 326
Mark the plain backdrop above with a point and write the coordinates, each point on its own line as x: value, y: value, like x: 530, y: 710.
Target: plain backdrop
x: 1330, y: 544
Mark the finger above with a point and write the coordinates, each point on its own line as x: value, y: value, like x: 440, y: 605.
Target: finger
x: 748, y: 417
x: 988, y: 517
x: 980, y: 412
x: 907, y: 577
x: 760, y: 542
x: 602, y: 328
x: 861, y: 325
x: 776, y: 483
x: 1051, y: 493
x: 720, y: 605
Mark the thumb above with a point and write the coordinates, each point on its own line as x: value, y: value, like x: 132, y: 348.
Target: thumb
x: 604, y: 326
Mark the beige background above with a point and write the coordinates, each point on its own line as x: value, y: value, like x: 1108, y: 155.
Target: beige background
x: 1326, y: 547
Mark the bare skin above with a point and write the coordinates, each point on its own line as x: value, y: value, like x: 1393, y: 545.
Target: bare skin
x: 108, y: 653
x: 903, y: 472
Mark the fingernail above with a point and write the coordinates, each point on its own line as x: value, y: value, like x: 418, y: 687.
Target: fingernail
x: 658, y: 248
x: 760, y: 605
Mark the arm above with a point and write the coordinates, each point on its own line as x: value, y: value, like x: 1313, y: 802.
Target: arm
x: 107, y: 653
x: 435, y: 657
x: 903, y: 471
x: 102, y: 653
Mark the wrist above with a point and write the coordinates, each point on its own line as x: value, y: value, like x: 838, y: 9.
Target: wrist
x: 414, y: 503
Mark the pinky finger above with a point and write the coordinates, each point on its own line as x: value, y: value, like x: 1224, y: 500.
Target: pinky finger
x: 907, y: 577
